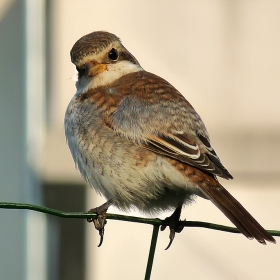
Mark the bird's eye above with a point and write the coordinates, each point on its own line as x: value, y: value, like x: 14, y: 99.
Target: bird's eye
x: 113, y: 54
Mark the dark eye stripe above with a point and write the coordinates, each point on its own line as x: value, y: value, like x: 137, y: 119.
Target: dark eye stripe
x: 81, y: 70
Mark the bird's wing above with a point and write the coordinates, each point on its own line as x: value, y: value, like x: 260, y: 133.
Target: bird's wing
x: 152, y: 113
x: 187, y: 150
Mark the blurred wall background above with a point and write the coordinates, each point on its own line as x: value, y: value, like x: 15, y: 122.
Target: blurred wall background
x: 222, y: 55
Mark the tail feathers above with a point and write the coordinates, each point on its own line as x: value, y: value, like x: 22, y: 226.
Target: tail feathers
x: 236, y: 213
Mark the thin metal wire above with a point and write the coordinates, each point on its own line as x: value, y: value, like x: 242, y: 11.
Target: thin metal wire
x: 156, y: 222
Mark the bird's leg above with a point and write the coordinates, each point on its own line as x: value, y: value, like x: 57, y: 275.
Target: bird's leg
x: 174, y: 224
x: 100, y: 221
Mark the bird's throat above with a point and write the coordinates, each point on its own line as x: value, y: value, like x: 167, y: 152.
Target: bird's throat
x: 104, y: 78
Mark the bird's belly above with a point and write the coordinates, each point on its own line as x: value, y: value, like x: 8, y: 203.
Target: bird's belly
x: 132, y: 176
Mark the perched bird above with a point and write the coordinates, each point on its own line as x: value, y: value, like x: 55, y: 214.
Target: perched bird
x: 137, y: 141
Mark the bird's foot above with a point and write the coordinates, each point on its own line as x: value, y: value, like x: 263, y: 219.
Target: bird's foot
x: 100, y: 221
x: 174, y: 223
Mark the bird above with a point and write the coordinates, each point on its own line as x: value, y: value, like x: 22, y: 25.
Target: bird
x: 139, y: 143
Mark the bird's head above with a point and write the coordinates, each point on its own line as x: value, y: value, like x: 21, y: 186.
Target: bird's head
x: 101, y: 59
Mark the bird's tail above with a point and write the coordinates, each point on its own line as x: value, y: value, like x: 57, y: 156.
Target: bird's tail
x: 237, y: 214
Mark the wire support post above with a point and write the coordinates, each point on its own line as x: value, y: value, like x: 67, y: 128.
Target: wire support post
x: 152, y: 252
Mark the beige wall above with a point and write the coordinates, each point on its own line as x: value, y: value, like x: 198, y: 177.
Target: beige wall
x: 224, y: 57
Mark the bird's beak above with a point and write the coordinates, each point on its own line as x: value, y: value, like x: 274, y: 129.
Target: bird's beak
x: 93, y: 68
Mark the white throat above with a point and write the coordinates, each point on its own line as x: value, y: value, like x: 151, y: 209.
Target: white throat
x: 111, y: 74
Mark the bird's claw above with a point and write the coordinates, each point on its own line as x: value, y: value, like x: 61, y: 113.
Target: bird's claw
x: 175, y: 225
x: 99, y: 224
x: 179, y: 227
x: 100, y: 221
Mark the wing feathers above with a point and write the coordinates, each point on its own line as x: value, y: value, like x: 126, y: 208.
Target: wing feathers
x: 184, y: 149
